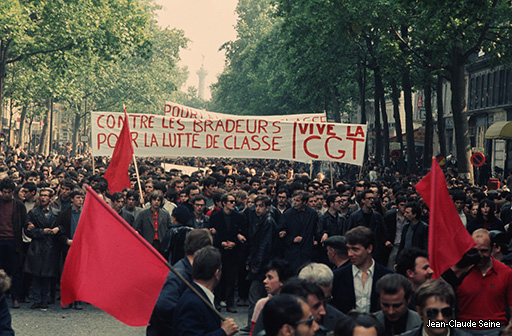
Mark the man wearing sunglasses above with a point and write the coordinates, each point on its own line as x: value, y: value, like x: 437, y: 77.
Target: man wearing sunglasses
x: 436, y: 301
x: 395, y: 292
x: 286, y: 314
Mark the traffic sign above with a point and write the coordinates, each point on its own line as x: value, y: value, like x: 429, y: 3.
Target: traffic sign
x: 477, y: 159
x: 396, y: 154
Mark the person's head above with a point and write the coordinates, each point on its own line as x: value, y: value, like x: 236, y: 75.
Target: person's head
x: 287, y: 315
x: 192, y: 191
x: 499, y: 243
x: 482, y: 240
x: 7, y: 187
x: 199, y: 203
x: 282, y: 197
x: 30, y: 190
x: 394, y: 293
x: 117, y: 199
x: 435, y: 303
x: 228, y: 202
x: 486, y: 209
x: 413, y: 263
x: 310, y: 292
x: 196, y: 240
x: 45, y: 196
x: 336, y: 247
x: 319, y: 274
x: 300, y: 199
x: 333, y: 202
x: 77, y: 197
x: 207, y: 264
x: 66, y: 187
x: 412, y: 211
x: 156, y: 198
x: 459, y: 199
x: 178, y: 185
x: 360, y: 243
x: 401, y: 202
x: 277, y: 272
x: 180, y: 215
x: 132, y: 197
x: 366, y: 199
x: 261, y: 205
x: 358, y: 324
x: 209, y: 186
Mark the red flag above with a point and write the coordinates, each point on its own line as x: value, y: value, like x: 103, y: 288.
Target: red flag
x: 448, y: 239
x: 111, y: 266
x: 117, y: 172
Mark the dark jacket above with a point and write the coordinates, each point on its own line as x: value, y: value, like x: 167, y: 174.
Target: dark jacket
x: 43, y: 252
x: 262, y: 238
x: 5, y: 318
x: 474, y: 225
x: 19, y: 215
x: 332, y: 225
x: 344, y: 297
x: 376, y: 224
x: 298, y: 223
x: 173, y: 244
x: 419, y: 332
x: 193, y: 318
x: 413, y: 320
x: 223, y: 233
x: 144, y: 224
x: 419, y: 236
x: 161, y: 323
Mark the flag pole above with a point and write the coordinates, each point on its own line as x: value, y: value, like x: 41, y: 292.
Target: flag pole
x: 141, y: 198
x: 330, y: 168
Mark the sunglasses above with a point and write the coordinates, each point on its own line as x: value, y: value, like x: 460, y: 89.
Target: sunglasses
x: 309, y: 321
x: 432, y: 313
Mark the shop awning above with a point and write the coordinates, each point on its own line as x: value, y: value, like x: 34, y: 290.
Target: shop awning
x: 499, y: 130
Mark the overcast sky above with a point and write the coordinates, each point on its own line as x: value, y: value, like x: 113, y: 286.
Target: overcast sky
x: 208, y: 24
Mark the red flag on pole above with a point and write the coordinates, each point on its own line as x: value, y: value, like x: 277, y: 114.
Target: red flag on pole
x: 448, y: 239
x: 117, y: 171
x: 111, y: 266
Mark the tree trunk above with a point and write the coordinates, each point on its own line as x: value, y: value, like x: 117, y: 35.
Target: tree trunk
x: 395, y: 96
x: 336, y: 105
x: 441, y: 128
x: 409, y: 126
x: 76, y: 131
x: 429, y: 127
x: 361, y: 82
x: 385, y: 129
x: 460, y: 120
x: 4, y: 47
x: 23, y: 118
x: 378, y: 127
x: 43, y: 142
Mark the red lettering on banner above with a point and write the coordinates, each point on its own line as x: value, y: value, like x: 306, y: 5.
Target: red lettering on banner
x: 356, y: 140
x: 212, y: 141
x: 313, y: 128
x: 134, y: 136
x: 194, y: 141
x: 180, y: 124
x: 167, y: 108
x: 276, y: 125
x: 111, y: 121
x: 359, y: 132
x: 305, y: 145
x: 328, y: 152
x: 254, y: 138
x: 226, y: 142
x: 110, y: 140
x: 275, y: 144
x: 143, y: 121
x: 197, y: 126
x: 98, y: 121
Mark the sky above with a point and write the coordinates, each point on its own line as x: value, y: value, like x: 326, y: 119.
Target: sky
x: 208, y: 24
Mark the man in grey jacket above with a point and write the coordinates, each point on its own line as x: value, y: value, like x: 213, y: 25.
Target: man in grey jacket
x: 395, y: 293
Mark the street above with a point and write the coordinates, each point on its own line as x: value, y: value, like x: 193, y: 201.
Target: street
x: 90, y: 321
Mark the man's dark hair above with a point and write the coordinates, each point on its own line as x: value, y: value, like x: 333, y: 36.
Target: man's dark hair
x: 283, y: 190
x: 206, y: 262
x: 198, y: 198
x: 346, y: 325
x: 280, y: 310
x: 360, y: 235
x: 415, y: 209
x: 132, y: 193
x: 282, y: 268
x: 406, y: 259
x: 262, y: 198
x: 68, y: 184
x: 196, y: 240
x: 304, y: 195
x: 363, y: 194
x: 30, y: 186
x: 435, y: 288
x: 330, y: 199
x: 459, y: 196
x: 189, y: 188
x: 224, y: 198
x: 209, y: 181
x: 76, y: 192
x: 391, y: 284
x: 116, y: 196
x: 7, y: 183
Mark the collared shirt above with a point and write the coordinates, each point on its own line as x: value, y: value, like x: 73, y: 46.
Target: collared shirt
x: 363, y: 292
x: 399, y: 227
x: 208, y: 293
x: 463, y: 218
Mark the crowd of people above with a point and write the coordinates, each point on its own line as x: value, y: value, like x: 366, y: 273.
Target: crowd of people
x: 309, y: 255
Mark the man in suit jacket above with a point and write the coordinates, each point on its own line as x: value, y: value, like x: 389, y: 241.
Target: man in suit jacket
x: 153, y: 223
x: 415, y: 232
x: 354, y: 285
x: 368, y: 217
x: 192, y: 315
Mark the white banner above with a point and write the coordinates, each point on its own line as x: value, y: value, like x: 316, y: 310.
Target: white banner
x: 182, y: 111
x: 164, y: 136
